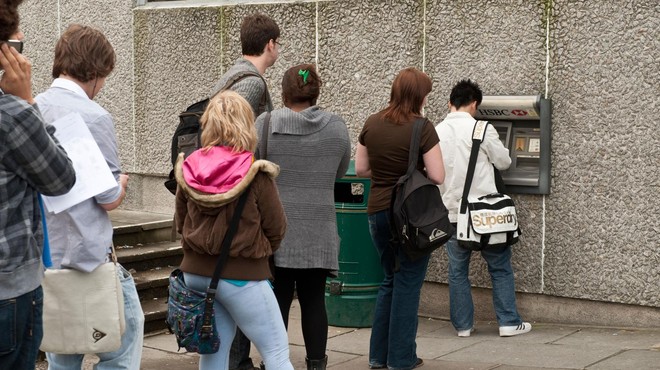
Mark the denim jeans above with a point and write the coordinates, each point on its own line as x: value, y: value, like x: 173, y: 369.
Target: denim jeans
x: 395, y: 318
x: 239, y: 354
x: 129, y: 355
x: 21, y: 330
x: 461, y: 308
x: 254, y: 309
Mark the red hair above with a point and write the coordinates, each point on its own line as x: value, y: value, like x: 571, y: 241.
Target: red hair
x: 409, y: 89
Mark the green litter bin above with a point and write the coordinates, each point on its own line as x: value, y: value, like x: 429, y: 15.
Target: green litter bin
x: 350, y: 298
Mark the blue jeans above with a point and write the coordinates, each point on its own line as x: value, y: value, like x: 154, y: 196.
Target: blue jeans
x: 129, y: 355
x: 21, y: 330
x: 461, y: 308
x: 254, y: 309
x: 395, y: 318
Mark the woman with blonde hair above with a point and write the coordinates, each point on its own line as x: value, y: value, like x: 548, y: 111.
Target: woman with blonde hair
x: 382, y: 155
x: 210, y: 182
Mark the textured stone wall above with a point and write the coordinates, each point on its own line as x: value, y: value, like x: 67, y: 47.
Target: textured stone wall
x: 602, y: 217
x: 594, y: 237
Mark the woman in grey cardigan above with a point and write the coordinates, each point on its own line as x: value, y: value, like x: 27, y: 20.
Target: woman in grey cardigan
x: 313, y: 149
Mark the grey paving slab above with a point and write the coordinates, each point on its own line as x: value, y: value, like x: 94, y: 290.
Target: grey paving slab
x: 427, y: 325
x: 355, y: 342
x: 519, y: 353
x: 362, y: 363
x: 154, y: 359
x: 433, y: 348
x: 509, y: 367
x: 633, y: 359
x: 613, y: 338
x: 163, y: 342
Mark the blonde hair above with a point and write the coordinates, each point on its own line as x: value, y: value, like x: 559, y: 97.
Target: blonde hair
x: 229, y: 121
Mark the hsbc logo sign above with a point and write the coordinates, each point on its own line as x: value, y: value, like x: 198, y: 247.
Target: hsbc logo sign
x: 503, y: 112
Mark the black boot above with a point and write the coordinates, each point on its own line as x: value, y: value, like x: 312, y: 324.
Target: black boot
x: 316, y: 364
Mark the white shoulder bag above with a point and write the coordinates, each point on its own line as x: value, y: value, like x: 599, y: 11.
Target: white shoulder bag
x: 83, y: 312
x: 488, y: 221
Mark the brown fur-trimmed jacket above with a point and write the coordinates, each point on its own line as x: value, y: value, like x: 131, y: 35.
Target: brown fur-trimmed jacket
x: 203, y: 219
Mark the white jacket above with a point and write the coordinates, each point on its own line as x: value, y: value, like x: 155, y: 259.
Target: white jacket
x: 455, y: 134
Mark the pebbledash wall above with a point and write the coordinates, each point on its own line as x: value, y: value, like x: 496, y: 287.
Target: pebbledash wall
x: 590, y: 253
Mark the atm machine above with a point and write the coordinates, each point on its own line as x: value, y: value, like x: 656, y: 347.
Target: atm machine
x: 523, y: 123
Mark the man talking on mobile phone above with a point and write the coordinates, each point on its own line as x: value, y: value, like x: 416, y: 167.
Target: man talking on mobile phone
x: 31, y: 162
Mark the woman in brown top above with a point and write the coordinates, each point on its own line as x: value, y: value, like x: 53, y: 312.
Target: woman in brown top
x: 210, y: 182
x: 382, y: 155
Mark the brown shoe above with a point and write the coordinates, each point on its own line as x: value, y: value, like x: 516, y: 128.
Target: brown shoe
x: 419, y: 363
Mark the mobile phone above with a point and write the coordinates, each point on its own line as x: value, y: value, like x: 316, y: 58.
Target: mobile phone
x: 18, y: 45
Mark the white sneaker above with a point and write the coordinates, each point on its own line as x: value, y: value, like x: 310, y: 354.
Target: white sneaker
x: 465, y: 333
x: 509, y: 331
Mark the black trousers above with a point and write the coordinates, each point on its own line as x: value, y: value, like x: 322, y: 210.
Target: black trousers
x: 310, y: 287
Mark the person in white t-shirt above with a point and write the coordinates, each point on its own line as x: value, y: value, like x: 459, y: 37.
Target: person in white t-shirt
x: 455, y: 133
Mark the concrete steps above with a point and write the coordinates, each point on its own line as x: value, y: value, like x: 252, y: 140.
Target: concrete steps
x: 144, y: 247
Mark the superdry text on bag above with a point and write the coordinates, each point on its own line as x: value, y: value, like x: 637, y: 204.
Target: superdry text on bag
x: 488, y: 221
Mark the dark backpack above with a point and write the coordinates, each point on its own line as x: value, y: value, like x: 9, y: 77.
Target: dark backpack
x: 419, y: 218
x: 186, y: 136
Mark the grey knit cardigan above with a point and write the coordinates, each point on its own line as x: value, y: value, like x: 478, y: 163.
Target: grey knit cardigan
x: 312, y: 148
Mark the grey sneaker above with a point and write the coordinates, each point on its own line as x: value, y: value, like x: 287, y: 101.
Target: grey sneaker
x: 509, y: 331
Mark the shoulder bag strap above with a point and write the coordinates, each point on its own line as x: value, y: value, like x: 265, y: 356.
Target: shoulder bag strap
x: 413, y: 152
x: 265, y: 98
x: 239, y: 76
x: 45, y: 254
x: 265, y: 132
x: 207, y: 326
x: 478, y: 134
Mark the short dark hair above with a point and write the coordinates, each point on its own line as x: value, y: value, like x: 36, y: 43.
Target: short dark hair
x: 8, y: 18
x: 297, y: 89
x: 409, y: 89
x: 464, y: 93
x: 256, y: 32
x: 83, y: 53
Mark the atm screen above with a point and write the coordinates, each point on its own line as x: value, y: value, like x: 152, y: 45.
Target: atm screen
x: 504, y: 130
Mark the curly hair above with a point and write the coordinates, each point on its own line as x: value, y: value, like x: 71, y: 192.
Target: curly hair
x: 8, y: 18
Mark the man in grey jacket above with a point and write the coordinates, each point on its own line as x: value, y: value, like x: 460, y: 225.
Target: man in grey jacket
x: 260, y: 48
x: 31, y: 162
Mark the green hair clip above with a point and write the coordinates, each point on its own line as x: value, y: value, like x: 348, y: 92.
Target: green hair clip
x: 304, y: 73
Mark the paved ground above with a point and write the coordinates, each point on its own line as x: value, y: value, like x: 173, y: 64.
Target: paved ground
x: 545, y: 347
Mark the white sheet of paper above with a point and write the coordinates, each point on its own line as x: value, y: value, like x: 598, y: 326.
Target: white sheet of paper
x: 93, y: 176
